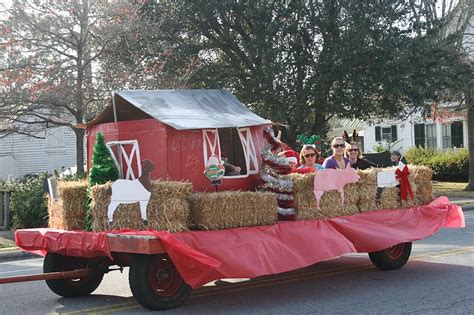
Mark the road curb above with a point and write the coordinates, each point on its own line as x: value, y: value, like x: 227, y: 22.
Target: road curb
x: 15, y: 254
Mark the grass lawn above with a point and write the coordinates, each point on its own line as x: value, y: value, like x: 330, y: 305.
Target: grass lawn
x: 7, y: 244
x: 451, y: 190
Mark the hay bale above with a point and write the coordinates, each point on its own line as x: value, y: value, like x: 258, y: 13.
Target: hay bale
x: 367, y: 190
x: 167, y: 208
x: 390, y: 198
x: 421, y: 177
x: 330, y: 203
x: 230, y: 209
x: 68, y: 212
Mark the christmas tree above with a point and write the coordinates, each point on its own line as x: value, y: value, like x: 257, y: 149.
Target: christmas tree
x: 103, y: 170
x: 103, y: 167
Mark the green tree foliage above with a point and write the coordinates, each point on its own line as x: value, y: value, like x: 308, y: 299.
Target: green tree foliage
x: 28, y: 204
x: 102, y: 171
x: 448, y: 165
x: 103, y: 167
x: 301, y: 62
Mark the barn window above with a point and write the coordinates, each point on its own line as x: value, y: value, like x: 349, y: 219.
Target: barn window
x: 235, y: 148
x: 126, y: 155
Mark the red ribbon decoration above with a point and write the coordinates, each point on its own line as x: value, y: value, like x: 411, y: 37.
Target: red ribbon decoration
x: 405, y: 187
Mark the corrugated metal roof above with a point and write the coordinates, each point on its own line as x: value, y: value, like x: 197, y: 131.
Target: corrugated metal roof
x: 193, y: 109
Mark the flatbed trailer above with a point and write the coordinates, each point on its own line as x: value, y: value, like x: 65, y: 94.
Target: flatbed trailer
x: 165, y: 267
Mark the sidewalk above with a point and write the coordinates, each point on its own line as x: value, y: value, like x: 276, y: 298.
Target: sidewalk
x: 12, y: 252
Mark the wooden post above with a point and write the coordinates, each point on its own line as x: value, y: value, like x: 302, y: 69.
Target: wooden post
x: 2, y: 210
x: 7, y: 210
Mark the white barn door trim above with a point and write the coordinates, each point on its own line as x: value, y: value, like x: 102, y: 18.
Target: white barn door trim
x: 251, y: 159
x: 211, y: 144
x: 122, y: 155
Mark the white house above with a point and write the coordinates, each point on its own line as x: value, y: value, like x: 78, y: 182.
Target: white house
x: 447, y: 128
x: 21, y: 155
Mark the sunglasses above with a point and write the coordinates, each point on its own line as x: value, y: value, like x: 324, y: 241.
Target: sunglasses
x: 336, y: 146
x: 310, y: 155
x: 353, y: 150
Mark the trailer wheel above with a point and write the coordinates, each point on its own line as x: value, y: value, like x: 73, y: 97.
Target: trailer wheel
x: 71, y: 287
x: 155, y: 282
x: 391, y: 258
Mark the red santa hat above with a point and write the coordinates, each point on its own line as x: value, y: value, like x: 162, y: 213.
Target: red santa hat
x: 291, y: 154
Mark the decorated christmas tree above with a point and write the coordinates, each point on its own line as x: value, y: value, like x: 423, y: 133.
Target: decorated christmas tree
x: 103, y: 170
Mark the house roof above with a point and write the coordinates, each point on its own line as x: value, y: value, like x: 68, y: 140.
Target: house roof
x: 182, y: 109
x: 338, y: 125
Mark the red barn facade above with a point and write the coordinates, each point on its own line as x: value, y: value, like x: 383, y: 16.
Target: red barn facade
x: 179, y: 130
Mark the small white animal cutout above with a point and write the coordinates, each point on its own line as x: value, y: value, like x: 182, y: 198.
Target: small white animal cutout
x: 131, y: 191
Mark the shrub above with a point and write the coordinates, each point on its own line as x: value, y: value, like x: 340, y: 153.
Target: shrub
x: 28, y: 204
x: 448, y: 165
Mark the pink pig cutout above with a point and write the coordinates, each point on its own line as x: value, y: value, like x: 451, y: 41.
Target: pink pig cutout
x: 333, y: 179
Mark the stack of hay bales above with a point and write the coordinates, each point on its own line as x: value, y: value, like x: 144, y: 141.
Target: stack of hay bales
x: 330, y: 204
x: 167, y: 208
x: 68, y: 212
x: 420, y: 182
x: 361, y: 196
x: 231, y: 209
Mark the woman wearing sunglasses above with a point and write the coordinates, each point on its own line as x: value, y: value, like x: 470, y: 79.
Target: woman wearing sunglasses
x: 337, y: 159
x: 353, y: 153
x: 308, y: 157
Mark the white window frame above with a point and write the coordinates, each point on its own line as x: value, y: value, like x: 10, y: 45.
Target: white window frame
x: 249, y: 150
x: 433, y: 138
x: 122, y: 155
x: 447, y: 136
x: 389, y: 139
x: 212, y: 147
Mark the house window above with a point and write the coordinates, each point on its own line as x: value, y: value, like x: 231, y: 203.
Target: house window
x: 447, y: 143
x: 430, y: 135
x: 420, y: 135
x: 457, y: 134
x: 388, y: 134
x: 235, y: 147
x: 453, y: 135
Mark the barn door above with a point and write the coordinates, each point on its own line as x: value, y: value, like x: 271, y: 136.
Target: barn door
x: 250, y: 153
x: 211, y: 145
x: 124, y: 154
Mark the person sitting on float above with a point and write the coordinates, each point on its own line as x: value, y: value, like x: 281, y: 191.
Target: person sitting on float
x: 354, y: 155
x: 308, y: 157
x: 230, y: 170
x: 396, y: 157
x: 337, y: 159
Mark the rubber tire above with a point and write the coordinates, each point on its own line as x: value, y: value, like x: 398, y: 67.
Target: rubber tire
x: 143, y: 291
x: 384, y: 262
x: 67, y: 287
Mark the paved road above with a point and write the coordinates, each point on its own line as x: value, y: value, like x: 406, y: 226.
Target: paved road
x: 438, y: 279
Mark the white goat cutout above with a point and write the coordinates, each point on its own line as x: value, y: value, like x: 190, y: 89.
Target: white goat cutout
x: 128, y: 191
x: 388, y: 178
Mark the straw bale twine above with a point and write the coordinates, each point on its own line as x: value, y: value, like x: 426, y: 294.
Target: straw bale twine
x: 68, y: 212
x: 230, y: 209
x: 167, y: 208
x: 367, y: 190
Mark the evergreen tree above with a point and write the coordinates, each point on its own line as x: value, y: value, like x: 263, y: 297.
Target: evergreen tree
x: 103, y: 170
x: 103, y: 167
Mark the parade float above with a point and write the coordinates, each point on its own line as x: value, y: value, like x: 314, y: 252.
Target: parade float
x: 205, y: 191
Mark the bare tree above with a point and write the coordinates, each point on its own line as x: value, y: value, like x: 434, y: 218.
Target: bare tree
x: 50, y: 55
